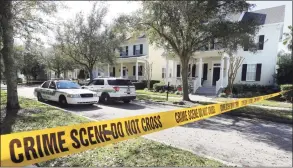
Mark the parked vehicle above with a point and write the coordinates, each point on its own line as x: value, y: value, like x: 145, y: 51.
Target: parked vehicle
x: 112, y: 89
x: 65, y: 92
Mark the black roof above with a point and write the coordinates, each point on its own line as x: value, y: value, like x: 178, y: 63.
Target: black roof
x: 258, y: 17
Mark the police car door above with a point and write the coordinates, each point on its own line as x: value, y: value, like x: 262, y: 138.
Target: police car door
x: 51, y: 91
x: 44, y: 90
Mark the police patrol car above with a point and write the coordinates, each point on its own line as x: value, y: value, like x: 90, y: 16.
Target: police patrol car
x: 112, y: 89
x: 65, y: 92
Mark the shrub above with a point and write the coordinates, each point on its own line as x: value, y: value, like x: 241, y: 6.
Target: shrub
x: 159, y: 86
x: 255, y: 90
x: 152, y: 82
x: 19, y: 80
x: 288, y: 96
x: 139, y: 85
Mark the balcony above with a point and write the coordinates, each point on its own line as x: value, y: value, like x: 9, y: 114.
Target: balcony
x: 123, y: 54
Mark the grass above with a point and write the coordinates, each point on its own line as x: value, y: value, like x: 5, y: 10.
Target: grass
x: 134, y: 152
x: 156, y: 93
x: 155, y: 98
x: 270, y: 103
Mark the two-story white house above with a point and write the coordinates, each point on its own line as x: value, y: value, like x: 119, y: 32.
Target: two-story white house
x: 207, y: 68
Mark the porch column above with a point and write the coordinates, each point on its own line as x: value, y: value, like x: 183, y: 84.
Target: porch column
x: 108, y: 70
x: 167, y: 71
x: 227, y: 66
x: 121, y: 70
x: 136, y: 71
x: 222, y: 72
x: 200, y: 71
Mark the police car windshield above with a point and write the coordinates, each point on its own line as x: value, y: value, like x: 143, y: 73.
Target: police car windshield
x: 67, y: 85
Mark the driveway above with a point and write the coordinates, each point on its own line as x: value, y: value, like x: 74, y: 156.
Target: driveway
x: 232, y: 140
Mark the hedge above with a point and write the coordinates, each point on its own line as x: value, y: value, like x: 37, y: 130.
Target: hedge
x: 288, y: 96
x: 139, y: 85
x: 244, y: 90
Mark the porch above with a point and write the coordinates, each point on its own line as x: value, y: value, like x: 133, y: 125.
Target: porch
x: 209, y: 73
x: 132, y: 68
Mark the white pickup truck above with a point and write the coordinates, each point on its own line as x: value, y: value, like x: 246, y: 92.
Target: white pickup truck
x: 65, y: 92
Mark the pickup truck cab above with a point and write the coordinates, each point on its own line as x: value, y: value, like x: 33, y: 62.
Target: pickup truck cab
x: 112, y: 89
x: 65, y: 92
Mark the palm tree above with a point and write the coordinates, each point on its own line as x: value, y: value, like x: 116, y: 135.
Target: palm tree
x: 288, y: 38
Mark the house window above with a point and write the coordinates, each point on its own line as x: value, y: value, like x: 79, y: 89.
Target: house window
x: 137, y: 49
x: 261, y: 39
x: 251, y: 72
x: 140, y: 70
x: 123, y: 51
x: 163, y: 73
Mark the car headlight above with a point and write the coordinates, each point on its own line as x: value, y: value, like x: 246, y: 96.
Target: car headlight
x: 73, y: 95
x: 95, y: 95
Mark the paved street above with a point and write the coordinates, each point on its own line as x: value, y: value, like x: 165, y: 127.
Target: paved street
x: 239, y: 141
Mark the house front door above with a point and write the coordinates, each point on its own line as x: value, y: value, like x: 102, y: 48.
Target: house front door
x: 216, y: 75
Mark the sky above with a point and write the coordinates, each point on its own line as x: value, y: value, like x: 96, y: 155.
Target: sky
x: 118, y: 7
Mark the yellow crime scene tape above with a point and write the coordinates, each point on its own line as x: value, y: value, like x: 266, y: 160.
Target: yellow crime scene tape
x: 26, y: 148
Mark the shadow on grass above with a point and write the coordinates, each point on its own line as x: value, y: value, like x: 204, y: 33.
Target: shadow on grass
x: 273, y: 134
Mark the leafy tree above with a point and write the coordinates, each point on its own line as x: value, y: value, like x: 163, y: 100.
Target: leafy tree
x: 148, y: 68
x: 58, y: 62
x: 185, y: 27
x: 88, y: 40
x: 288, y: 39
x: 18, y: 19
x: 285, y: 68
x: 243, y: 36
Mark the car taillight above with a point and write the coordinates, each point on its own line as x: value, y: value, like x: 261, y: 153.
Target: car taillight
x: 116, y: 88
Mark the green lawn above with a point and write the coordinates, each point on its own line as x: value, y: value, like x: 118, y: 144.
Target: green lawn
x: 271, y: 103
x: 134, y: 152
x: 155, y: 98
x: 156, y: 93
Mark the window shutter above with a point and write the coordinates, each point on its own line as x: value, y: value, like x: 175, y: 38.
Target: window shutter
x: 114, y: 71
x: 244, y: 69
x: 178, y: 70
x: 134, y: 50
x: 141, y: 48
x: 261, y: 39
x: 193, y: 70
x: 126, y: 48
x: 258, y: 72
x: 133, y: 70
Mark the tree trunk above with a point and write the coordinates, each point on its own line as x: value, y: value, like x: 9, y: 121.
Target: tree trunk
x: 58, y: 74
x: 148, y: 84
x: 184, y: 74
x: 91, y: 73
x: 8, y: 57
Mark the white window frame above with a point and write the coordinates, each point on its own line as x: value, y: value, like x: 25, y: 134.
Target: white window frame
x: 250, y: 72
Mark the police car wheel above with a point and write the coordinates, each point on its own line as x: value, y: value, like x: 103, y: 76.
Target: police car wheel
x: 105, y: 98
x: 39, y: 97
x: 62, y: 101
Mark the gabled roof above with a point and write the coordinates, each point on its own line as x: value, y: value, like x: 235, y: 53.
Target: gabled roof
x: 273, y: 15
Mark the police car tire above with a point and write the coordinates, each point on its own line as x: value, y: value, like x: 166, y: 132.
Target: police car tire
x: 105, y: 98
x: 126, y: 101
x: 39, y: 97
x: 61, y: 102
